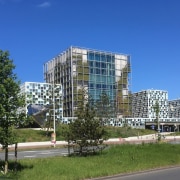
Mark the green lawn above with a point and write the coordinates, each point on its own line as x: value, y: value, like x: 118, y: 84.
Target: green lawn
x: 29, y: 135
x: 124, y: 132
x: 114, y: 160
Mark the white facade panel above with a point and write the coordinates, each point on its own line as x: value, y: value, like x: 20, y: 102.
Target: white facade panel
x: 42, y: 94
x: 143, y: 104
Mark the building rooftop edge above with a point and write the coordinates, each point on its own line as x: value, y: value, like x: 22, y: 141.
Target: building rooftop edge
x: 89, y: 49
x: 175, y: 99
x: 35, y: 82
x: 150, y: 90
x: 98, y: 50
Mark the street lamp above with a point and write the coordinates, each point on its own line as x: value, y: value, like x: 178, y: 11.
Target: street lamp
x: 54, y: 120
x: 56, y: 100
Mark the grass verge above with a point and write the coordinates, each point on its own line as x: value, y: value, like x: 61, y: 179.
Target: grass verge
x: 29, y: 135
x: 114, y: 160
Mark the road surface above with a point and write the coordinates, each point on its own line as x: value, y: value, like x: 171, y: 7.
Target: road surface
x: 172, y: 173
x: 39, y: 153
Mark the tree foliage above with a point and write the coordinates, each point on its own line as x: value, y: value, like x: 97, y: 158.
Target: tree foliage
x: 10, y: 103
x: 86, y: 131
x: 104, y: 108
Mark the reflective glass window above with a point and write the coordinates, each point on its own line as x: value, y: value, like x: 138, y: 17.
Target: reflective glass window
x: 103, y: 65
x: 91, y: 70
x: 98, y: 64
x: 108, y: 58
x: 103, y: 57
x: 97, y: 57
x: 103, y: 71
x: 91, y: 85
x: 91, y: 63
x: 91, y: 56
x: 103, y: 79
x: 97, y: 71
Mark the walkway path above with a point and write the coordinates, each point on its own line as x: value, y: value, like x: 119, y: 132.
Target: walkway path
x: 134, y: 140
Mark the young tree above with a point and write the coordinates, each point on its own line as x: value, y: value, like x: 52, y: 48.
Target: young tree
x: 10, y: 103
x: 104, y: 108
x: 86, y: 131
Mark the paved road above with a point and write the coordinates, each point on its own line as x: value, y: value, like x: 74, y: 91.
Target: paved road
x: 162, y: 174
x: 36, y: 153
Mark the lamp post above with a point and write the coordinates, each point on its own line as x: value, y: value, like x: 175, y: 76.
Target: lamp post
x: 56, y: 92
x: 54, y: 119
x: 53, y: 135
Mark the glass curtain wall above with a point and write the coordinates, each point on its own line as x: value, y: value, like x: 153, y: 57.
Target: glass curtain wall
x: 101, y: 75
x: 92, y: 70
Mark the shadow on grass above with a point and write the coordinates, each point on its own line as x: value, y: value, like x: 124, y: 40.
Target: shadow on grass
x: 13, y: 170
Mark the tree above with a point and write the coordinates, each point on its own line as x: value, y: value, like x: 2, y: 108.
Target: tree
x: 104, y: 108
x: 10, y: 103
x: 86, y: 131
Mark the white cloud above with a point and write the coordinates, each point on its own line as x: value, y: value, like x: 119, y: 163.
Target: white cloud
x: 44, y: 4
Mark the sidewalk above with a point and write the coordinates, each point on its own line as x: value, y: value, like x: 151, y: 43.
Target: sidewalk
x: 133, y: 140
x: 145, y: 139
x: 39, y: 144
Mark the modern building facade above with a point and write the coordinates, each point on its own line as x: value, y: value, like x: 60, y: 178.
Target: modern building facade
x: 143, y: 104
x: 95, y: 71
x: 43, y: 98
x: 143, y: 111
x: 174, y: 108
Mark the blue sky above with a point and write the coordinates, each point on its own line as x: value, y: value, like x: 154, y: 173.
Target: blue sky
x: 35, y: 31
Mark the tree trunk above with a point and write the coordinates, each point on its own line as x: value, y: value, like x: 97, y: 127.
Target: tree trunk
x: 68, y: 147
x: 6, y: 160
x: 15, y: 154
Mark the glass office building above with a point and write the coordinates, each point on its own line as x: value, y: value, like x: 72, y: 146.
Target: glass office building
x: 95, y: 71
